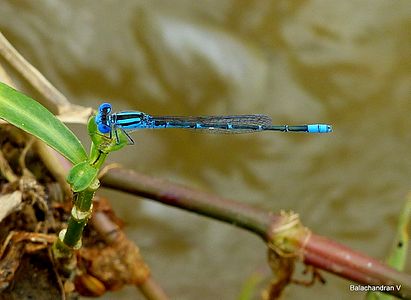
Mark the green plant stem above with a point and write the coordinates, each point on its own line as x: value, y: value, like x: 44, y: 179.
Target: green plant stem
x: 70, y: 238
x: 84, y: 199
x: 83, y: 181
x: 80, y: 215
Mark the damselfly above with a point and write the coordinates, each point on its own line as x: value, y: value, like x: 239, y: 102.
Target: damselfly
x: 109, y: 122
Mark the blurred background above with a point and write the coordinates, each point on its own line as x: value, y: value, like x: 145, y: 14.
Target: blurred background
x: 346, y: 63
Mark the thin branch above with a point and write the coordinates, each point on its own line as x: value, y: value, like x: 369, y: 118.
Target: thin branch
x: 344, y: 262
x: 57, y: 102
x: 5, y: 170
x: 203, y: 203
x: 312, y: 249
x: 5, y: 77
x: 31, y: 74
x: 55, y: 163
x: 152, y: 290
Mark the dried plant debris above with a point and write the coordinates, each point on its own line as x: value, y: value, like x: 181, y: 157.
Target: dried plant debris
x: 32, y: 210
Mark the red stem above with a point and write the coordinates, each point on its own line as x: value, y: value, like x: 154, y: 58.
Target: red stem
x: 344, y: 262
x: 317, y: 251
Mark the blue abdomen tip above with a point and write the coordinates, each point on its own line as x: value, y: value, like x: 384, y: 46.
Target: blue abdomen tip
x: 319, y: 128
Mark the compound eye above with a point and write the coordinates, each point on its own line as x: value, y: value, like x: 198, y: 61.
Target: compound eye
x: 103, y: 128
x: 105, y: 108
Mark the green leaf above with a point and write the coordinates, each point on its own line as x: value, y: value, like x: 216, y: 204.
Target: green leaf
x: 30, y: 116
x: 399, y: 251
x: 398, y: 255
x: 250, y: 287
x: 81, y: 176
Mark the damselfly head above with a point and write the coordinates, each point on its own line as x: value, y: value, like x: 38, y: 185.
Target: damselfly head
x: 103, y: 118
x: 105, y: 108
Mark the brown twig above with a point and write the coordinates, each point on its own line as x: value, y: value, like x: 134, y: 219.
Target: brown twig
x: 5, y: 77
x: 55, y: 163
x: 6, y: 170
x: 207, y: 204
x: 344, y: 262
x: 313, y: 249
x: 56, y: 101
x: 31, y: 74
